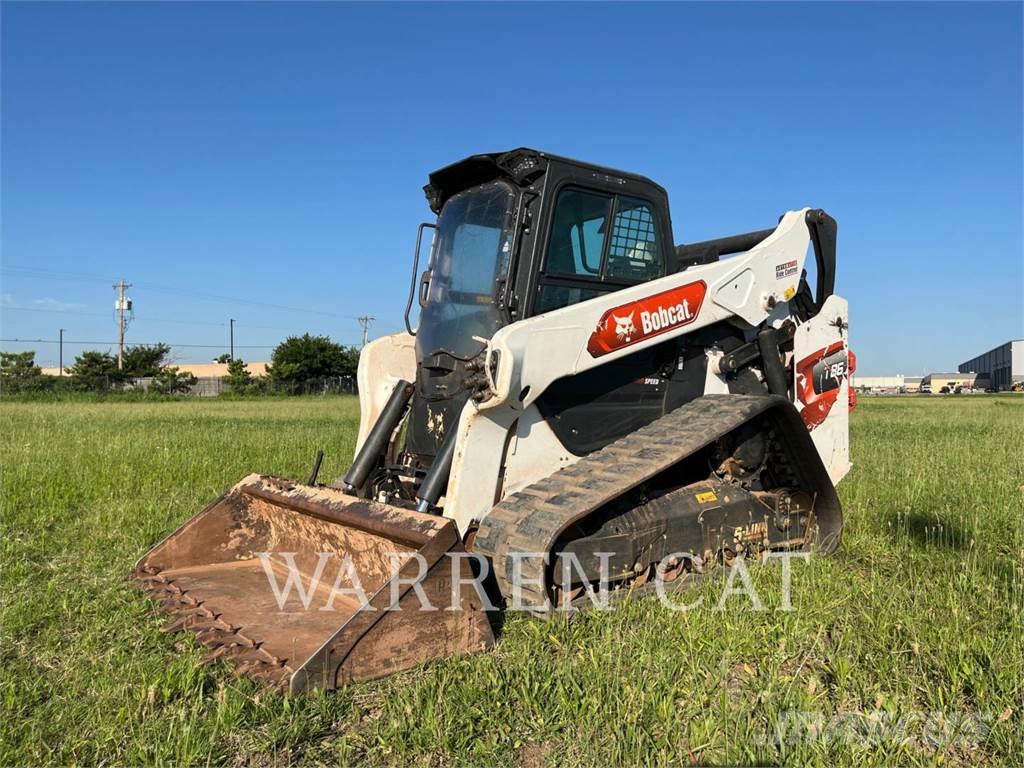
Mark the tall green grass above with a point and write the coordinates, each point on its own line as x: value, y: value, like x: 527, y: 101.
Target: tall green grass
x: 920, y: 613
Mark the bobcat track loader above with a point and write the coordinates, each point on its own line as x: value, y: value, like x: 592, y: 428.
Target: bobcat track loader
x: 578, y: 390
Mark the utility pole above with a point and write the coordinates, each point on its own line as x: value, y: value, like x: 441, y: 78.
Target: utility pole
x: 232, y: 322
x: 60, y: 346
x: 365, y: 321
x: 122, y: 305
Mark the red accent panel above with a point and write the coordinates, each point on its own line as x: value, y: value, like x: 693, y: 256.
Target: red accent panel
x: 646, y: 318
x: 819, y: 377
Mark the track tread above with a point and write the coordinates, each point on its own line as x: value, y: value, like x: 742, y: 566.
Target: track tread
x: 531, y: 520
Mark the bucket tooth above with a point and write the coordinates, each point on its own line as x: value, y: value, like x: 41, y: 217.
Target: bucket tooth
x: 216, y: 575
x: 211, y: 637
x: 236, y: 653
x: 177, y: 607
x: 194, y: 613
x: 173, y: 596
x: 242, y: 641
x: 224, y: 642
x: 215, y: 654
x: 175, y: 625
x: 239, y: 655
x: 276, y: 677
x: 251, y: 668
x: 199, y: 612
x: 186, y: 615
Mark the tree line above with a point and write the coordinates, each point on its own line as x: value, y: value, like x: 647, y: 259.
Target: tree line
x: 295, y: 362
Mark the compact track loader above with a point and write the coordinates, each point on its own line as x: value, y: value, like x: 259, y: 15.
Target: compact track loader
x: 582, y: 403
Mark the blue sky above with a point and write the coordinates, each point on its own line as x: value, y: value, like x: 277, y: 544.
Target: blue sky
x: 274, y: 154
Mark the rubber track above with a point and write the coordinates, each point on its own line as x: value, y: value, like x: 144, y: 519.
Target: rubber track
x: 531, y: 520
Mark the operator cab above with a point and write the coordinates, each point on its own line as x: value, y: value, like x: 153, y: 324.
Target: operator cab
x: 577, y: 229
x: 519, y: 234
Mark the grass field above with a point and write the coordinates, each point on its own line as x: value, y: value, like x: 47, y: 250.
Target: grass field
x: 917, y: 623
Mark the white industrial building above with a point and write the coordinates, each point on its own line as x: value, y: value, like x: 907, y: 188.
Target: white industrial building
x: 1004, y: 365
x: 897, y: 384
x: 878, y: 383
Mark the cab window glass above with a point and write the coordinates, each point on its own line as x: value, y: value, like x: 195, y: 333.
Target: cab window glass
x: 634, y: 254
x: 598, y: 243
x: 556, y: 296
x: 578, y: 233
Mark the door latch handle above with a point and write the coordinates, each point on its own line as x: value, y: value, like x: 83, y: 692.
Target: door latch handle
x: 424, y: 287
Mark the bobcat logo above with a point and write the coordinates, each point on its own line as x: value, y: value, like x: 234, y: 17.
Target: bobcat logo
x: 641, y: 319
x: 624, y: 327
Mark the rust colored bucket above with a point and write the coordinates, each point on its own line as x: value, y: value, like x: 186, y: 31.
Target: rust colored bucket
x: 352, y: 611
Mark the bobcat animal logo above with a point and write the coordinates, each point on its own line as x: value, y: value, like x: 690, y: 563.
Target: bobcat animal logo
x: 625, y: 327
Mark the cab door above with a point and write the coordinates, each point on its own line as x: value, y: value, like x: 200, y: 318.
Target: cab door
x: 600, y: 243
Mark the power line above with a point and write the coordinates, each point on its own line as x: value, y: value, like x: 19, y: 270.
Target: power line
x: 79, y: 276
x: 10, y: 308
x: 243, y: 302
x: 138, y: 343
x: 147, y: 318
x: 136, y: 317
x: 35, y: 271
x: 15, y: 308
x: 238, y: 323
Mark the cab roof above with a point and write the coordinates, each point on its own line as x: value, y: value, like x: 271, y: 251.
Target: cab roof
x: 521, y: 165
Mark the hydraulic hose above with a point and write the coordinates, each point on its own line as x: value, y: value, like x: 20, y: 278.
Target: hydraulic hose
x: 771, y: 363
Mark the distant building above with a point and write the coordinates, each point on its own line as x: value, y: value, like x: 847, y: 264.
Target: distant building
x: 897, y: 383
x: 878, y: 383
x: 199, y: 370
x: 207, y: 370
x: 936, y: 383
x: 1003, y: 365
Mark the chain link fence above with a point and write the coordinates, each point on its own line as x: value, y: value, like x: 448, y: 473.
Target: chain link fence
x: 206, y: 386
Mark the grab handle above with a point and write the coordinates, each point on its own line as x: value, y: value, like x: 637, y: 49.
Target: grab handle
x: 415, y: 271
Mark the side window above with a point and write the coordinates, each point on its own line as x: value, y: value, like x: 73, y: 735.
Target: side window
x: 555, y: 296
x: 577, y: 234
x: 591, y: 251
x: 634, y: 254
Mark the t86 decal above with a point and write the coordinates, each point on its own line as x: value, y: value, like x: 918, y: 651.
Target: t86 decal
x: 818, y: 379
x: 645, y: 318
